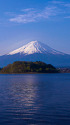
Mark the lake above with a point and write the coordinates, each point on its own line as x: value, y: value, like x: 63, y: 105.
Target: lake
x: 35, y: 99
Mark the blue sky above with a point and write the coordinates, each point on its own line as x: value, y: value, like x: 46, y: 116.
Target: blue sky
x: 22, y: 21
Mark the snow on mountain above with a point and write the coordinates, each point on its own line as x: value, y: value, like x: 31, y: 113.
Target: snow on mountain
x: 35, y: 47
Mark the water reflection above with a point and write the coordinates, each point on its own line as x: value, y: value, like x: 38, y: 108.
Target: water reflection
x: 24, y: 94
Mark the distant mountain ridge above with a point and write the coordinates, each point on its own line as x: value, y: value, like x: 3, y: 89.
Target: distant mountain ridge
x: 36, y: 51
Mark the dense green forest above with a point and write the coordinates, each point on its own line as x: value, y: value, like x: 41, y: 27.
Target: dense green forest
x: 29, y: 67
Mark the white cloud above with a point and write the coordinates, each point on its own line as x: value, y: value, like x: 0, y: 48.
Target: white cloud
x: 61, y: 3
x: 24, y: 18
x: 57, y: 2
x: 32, y: 15
x: 67, y: 17
x: 67, y: 5
x: 28, y: 9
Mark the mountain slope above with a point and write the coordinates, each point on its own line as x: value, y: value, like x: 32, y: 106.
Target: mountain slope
x: 35, y: 47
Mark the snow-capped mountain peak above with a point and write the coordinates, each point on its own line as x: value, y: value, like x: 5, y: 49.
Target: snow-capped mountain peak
x: 35, y: 47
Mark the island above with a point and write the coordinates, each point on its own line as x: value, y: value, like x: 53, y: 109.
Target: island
x: 28, y: 67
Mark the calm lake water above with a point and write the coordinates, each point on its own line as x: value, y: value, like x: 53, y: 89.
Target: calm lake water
x: 35, y: 99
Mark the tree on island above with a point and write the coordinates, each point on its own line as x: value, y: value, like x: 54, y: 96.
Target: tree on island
x: 27, y: 67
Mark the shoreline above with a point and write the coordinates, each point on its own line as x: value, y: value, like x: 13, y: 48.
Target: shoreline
x: 33, y: 73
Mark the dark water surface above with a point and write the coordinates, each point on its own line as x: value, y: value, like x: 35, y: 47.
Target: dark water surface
x: 35, y: 99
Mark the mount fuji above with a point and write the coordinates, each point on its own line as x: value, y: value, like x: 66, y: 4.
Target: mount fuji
x: 35, y: 47
x: 36, y: 51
